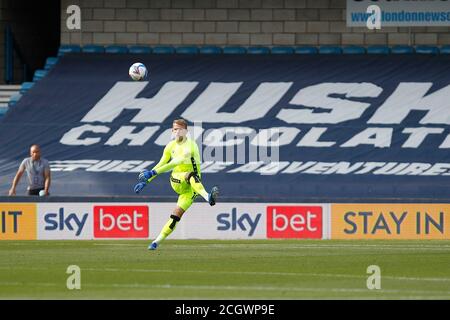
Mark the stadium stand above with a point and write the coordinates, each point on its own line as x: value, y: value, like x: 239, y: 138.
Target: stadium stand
x: 26, y: 86
x: 116, y: 49
x: 3, y: 110
x: 378, y: 50
x: 90, y: 48
x: 234, y: 50
x: 12, y: 99
x: 187, y: 50
x: 330, y: 50
x: 445, y: 49
x: 258, y: 50
x: 8, y: 93
x: 63, y: 49
x: 282, y: 50
x: 139, y: 49
x: 353, y: 50
x: 306, y: 50
x: 56, y: 78
x: 210, y: 50
x: 39, y: 74
x: 427, y: 49
x: 163, y: 50
x: 402, y: 49
x: 50, y: 63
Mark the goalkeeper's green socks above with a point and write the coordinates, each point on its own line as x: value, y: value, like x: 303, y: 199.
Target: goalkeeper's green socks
x: 198, y: 187
x: 168, y: 228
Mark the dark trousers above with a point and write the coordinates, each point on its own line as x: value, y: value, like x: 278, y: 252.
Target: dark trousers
x: 34, y: 192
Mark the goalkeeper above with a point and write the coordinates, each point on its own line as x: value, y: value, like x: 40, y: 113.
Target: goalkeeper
x: 181, y: 155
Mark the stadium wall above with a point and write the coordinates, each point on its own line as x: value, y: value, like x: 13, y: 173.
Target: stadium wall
x: 232, y: 22
x: 230, y: 220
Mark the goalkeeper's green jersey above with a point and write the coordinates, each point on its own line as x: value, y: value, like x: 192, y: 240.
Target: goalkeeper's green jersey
x: 180, y: 157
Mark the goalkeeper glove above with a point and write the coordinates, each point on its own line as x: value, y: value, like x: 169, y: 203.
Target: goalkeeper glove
x: 146, y: 174
x: 138, y: 187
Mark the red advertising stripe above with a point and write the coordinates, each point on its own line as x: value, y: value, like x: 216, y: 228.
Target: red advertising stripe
x: 121, y: 221
x: 294, y: 222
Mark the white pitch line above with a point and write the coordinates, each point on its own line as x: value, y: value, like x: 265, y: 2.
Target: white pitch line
x: 296, y: 274
x: 43, y: 284
x: 254, y: 273
x: 275, y: 245
x: 288, y: 246
x: 221, y: 287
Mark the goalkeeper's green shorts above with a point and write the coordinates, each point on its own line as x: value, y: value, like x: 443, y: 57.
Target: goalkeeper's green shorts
x: 179, y: 184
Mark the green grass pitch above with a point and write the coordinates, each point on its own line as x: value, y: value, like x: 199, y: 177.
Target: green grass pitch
x: 214, y: 269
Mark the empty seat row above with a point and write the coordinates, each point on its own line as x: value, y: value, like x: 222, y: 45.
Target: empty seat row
x: 376, y: 49
x: 39, y: 74
x: 16, y: 97
x: 50, y: 62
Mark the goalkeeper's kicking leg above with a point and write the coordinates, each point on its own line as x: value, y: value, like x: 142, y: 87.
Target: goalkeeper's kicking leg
x: 198, y: 187
x: 168, y: 228
x: 185, y: 200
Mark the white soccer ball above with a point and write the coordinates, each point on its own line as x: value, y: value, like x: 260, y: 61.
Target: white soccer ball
x: 138, y: 71
x: 42, y: 193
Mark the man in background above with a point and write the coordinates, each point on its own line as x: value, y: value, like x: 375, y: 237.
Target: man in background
x: 38, y: 172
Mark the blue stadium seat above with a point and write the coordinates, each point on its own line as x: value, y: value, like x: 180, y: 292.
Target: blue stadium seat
x: 3, y: 111
x: 68, y: 49
x: 163, y: 50
x: 234, y: 50
x: 282, y: 50
x: 93, y: 48
x: 13, y: 99
x: 26, y: 86
x: 187, y: 50
x: 306, y: 50
x: 445, y: 49
x: 258, y: 50
x: 139, y: 49
x: 330, y: 50
x: 210, y: 50
x: 427, y: 49
x: 378, y: 50
x: 39, y: 74
x: 116, y: 49
x: 354, y: 50
x: 50, y: 62
x: 402, y: 49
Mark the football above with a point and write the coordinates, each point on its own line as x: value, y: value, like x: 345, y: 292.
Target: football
x: 138, y: 71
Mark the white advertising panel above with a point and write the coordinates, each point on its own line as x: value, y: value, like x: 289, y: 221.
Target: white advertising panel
x: 98, y: 221
x: 64, y: 221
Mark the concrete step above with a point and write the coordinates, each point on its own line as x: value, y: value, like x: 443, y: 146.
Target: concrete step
x: 10, y: 87
x: 8, y: 93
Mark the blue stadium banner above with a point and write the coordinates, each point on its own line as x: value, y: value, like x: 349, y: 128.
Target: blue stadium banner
x: 269, y: 128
